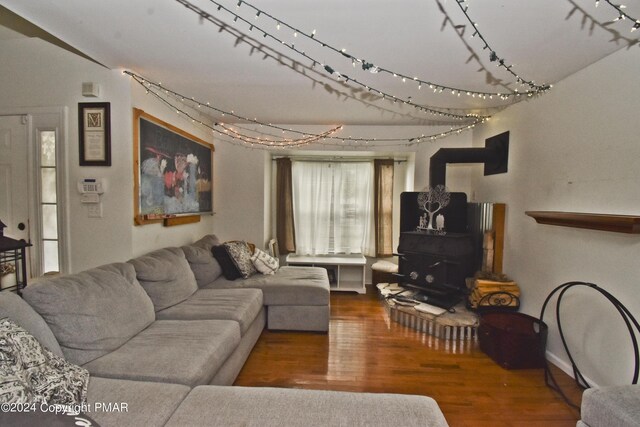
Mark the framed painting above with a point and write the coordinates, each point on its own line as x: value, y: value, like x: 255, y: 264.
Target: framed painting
x: 173, y: 171
x: 94, y: 133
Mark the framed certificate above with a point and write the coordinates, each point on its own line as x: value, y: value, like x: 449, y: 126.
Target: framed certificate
x: 94, y: 121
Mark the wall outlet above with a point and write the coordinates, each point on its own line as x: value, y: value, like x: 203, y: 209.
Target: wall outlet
x: 95, y: 210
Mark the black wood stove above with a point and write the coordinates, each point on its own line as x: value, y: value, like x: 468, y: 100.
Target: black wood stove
x: 436, y: 265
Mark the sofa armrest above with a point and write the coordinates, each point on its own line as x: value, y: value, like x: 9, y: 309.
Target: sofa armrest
x: 611, y: 406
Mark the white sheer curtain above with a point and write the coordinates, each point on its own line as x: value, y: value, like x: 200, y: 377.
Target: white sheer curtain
x: 312, y: 196
x: 333, y: 207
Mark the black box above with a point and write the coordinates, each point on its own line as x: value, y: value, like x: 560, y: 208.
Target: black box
x: 513, y: 340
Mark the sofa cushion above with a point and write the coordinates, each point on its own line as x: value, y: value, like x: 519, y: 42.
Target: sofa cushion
x: 166, y: 276
x: 288, y: 286
x: 94, y: 312
x: 241, y: 256
x: 229, y: 269
x: 172, y: 351
x: 241, y: 305
x: 264, y: 406
x: 33, y: 374
x: 148, y: 403
x: 205, y: 267
x: 611, y: 406
x: 15, y: 308
x: 299, y: 317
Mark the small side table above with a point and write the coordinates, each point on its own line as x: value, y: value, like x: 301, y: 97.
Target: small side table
x: 13, y: 253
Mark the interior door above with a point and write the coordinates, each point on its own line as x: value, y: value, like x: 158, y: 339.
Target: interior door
x: 14, y: 177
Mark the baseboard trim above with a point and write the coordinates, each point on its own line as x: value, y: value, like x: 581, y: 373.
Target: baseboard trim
x: 566, y: 367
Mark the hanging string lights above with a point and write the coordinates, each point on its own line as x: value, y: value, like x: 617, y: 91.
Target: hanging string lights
x: 376, y: 69
x: 157, y: 90
x: 164, y: 94
x: 622, y: 15
x: 493, y: 56
x: 616, y: 36
x: 260, y: 139
x: 329, y: 69
x: 317, y: 77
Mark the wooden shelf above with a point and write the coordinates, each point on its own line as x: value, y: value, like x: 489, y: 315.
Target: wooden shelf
x: 179, y: 220
x: 606, y: 222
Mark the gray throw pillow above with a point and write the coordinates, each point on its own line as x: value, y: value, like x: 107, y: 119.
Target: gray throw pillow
x: 30, y: 373
x: 241, y: 257
x: 166, y: 276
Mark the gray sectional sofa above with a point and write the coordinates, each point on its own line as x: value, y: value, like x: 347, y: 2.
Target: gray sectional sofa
x: 297, y: 298
x: 617, y: 406
x: 167, y: 335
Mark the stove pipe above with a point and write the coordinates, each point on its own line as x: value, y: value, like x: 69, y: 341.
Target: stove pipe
x: 494, y: 156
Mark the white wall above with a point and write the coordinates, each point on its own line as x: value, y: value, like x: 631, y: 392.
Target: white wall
x: 575, y: 149
x: 37, y: 74
x: 240, y: 200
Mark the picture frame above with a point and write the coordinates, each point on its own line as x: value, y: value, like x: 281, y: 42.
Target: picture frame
x: 173, y: 173
x: 94, y: 133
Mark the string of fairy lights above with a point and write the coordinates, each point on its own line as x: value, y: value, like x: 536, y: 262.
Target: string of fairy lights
x: 222, y: 128
x: 610, y: 27
x: 341, y: 90
x: 162, y: 93
x: 622, y: 15
x: 494, y: 57
x: 205, y: 16
x: 265, y: 139
x: 377, y: 69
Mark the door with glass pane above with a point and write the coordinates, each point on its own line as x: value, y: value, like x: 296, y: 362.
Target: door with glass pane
x: 14, y: 173
x: 29, y: 196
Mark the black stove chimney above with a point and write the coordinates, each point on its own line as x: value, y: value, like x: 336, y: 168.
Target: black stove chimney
x: 494, y: 156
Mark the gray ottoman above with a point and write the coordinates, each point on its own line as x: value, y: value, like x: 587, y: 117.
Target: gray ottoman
x: 265, y: 407
x: 617, y: 406
x: 297, y: 298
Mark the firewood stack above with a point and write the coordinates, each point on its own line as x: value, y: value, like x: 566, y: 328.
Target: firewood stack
x: 493, y: 290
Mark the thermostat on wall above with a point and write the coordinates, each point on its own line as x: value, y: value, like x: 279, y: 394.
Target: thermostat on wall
x: 90, y: 185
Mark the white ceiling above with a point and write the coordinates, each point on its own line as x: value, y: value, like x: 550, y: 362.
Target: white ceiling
x: 545, y: 40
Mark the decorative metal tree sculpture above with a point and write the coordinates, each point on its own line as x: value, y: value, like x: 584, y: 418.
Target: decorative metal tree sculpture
x: 431, y: 202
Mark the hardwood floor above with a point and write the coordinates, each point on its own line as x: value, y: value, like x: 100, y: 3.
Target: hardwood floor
x: 365, y: 351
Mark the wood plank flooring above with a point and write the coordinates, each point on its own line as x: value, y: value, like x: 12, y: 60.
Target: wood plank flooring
x: 366, y: 351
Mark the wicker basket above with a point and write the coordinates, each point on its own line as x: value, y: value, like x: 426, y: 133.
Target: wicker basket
x: 513, y: 340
